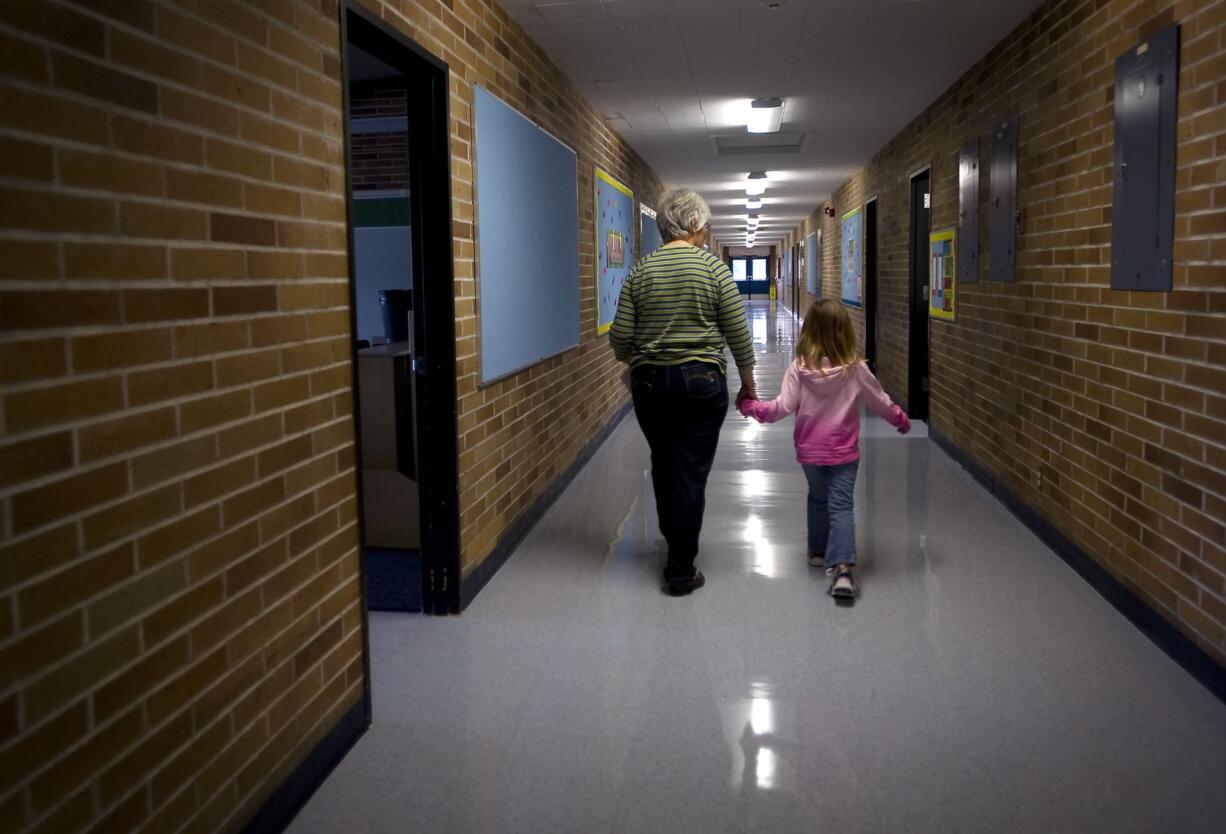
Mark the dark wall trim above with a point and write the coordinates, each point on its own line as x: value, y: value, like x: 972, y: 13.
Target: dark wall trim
x: 1153, y: 625
x: 286, y: 801
x: 519, y: 529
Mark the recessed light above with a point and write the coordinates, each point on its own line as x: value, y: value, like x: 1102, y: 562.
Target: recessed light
x: 765, y: 115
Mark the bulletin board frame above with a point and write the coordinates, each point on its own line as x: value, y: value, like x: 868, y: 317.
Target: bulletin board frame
x: 852, y: 257
x: 611, y: 196
x: 942, y: 275
x: 528, y: 280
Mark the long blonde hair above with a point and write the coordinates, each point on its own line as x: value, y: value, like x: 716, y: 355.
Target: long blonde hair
x: 827, y: 333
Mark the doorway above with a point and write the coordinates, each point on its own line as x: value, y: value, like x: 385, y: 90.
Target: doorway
x: 917, y: 355
x: 870, y: 284
x: 750, y: 274
x: 398, y: 200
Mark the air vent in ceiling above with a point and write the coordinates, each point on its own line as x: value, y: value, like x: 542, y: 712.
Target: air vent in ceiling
x: 758, y: 144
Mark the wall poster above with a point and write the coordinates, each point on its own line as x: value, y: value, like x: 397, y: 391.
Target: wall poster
x: 614, y: 245
x: 853, y: 257
x: 942, y: 275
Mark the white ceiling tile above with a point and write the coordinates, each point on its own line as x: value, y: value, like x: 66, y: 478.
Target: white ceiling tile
x: 566, y: 11
x: 677, y: 72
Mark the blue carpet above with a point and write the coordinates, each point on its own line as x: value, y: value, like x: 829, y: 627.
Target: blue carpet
x: 393, y: 579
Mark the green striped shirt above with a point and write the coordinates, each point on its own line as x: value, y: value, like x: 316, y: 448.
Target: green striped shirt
x: 680, y: 304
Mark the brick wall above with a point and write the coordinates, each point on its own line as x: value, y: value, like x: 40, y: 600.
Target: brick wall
x: 179, y: 615
x: 380, y: 160
x: 1114, y: 401
x: 179, y: 609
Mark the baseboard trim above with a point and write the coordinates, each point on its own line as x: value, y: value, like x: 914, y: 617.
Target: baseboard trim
x: 511, y: 538
x: 1194, y: 660
x: 286, y: 801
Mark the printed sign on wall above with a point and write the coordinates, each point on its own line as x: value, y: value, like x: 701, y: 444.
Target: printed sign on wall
x: 853, y: 257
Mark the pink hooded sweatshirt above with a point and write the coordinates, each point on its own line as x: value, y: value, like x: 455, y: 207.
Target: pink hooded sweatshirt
x: 827, y: 407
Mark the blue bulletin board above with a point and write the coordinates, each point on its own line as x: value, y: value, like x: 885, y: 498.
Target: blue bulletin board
x: 614, y: 245
x: 649, y: 231
x: 527, y: 240
x: 853, y: 257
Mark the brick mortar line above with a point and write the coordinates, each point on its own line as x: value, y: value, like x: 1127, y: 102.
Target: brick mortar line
x: 119, y: 200
x: 157, y: 39
x: 20, y: 687
x: 252, y: 453
x: 152, y: 728
x: 214, y: 431
x: 983, y: 442
x: 174, y: 402
x: 48, y: 334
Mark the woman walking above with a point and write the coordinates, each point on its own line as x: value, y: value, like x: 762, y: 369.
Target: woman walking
x: 678, y: 308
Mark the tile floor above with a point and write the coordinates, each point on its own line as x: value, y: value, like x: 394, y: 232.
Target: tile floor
x: 978, y: 685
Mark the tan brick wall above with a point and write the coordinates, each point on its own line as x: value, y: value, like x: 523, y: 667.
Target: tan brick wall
x: 179, y: 614
x: 179, y: 618
x: 1117, y: 399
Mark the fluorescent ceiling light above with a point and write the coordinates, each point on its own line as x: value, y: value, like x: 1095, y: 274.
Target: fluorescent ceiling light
x: 765, y: 115
x: 755, y: 189
x: 753, y: 202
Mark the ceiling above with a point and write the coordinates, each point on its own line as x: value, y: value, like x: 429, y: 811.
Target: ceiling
x: 366, y: 67
x: 673, y: 77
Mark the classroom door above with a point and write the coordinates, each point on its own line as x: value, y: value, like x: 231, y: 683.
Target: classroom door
x: 870, y: 284
x: 918, y: 346
x: 397, y: 158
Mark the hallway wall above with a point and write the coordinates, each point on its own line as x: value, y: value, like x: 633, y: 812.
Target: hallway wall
x: 179, y: 590
x: 1116, y: 400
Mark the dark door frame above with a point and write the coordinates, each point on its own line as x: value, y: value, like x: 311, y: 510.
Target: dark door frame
x: 434, y: 366
x: 917, y: 286
x: 870, y: 283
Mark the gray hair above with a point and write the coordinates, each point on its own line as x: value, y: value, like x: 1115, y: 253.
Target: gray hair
x: 682, y: 213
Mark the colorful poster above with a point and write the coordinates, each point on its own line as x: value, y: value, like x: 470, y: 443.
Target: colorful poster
x: 942, y: 275
x: 614, y: 241
x: 853, y: 257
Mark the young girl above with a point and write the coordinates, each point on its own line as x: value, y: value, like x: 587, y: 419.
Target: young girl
x: 825, y: 387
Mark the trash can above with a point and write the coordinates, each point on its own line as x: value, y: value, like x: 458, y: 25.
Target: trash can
x: 397, y: 306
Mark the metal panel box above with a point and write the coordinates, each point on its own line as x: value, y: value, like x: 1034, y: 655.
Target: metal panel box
x: 968, y: 213
x: 1143, y: 215
x: 1004, y: 217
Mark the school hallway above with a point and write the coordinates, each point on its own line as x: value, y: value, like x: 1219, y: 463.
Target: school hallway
x: 978, y: 684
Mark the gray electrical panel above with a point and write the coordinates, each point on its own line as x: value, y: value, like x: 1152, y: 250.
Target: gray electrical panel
x: 1004, y: 218
x: 967, y: 244
x: 1143, y: 217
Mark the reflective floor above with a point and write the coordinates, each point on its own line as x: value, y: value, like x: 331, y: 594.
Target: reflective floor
x: 978, y: 685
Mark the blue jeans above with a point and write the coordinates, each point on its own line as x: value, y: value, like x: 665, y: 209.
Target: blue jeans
x: 681, y: 410
x: 832, y: 512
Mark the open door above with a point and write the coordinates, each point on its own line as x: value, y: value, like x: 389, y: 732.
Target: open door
x: 917, y: 358
x: 398, y: 192
x: 870, y: 284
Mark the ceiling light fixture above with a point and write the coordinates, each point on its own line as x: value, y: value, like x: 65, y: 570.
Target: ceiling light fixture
x: 765, y: 115
x: 756, y: 184
x: 753, y: 202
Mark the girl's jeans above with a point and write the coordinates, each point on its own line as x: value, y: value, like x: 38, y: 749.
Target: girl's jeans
x: 832, y: 521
